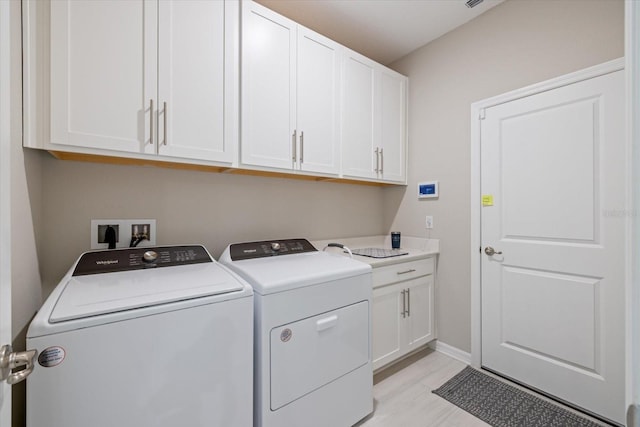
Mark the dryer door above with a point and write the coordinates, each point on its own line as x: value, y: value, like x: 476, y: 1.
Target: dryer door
x: 309, y: 353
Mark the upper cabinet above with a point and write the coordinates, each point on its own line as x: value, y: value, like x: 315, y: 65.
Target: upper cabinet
x: 374, y: 112
x: 198, y: 79
x: 227, y: 84
x: 103, y: 76
x: 138, y: 76
x: 393, y: 126
x: 359, y: 117
x: 318, y: 102
x: 290, y: 94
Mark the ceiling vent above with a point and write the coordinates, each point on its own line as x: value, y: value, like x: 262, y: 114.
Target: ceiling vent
x: 472, y: 3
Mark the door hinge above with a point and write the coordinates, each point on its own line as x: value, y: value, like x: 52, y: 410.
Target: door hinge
x: 481, y: 115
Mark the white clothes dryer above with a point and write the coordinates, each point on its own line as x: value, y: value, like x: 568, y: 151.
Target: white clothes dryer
x: 143, y: 337
x: 312, y: 333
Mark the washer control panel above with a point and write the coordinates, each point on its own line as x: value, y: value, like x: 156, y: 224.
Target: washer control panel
x: 139, y: 258
x: 267, y: 248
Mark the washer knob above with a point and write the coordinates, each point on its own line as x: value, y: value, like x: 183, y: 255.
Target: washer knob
x: 150, y: 256
x: 275, y: 246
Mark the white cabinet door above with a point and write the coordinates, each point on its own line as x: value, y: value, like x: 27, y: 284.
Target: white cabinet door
x: 403, y: 317
x: 268, y: 88
x: 374, y: 120
x: 420, y: 312
x: 193, y: 82
x: 359, y: 112
x: 387, y: 325
x: 290, y: 96
x: 393, y: 126
x: 103, y: 73
x: 318, y: 106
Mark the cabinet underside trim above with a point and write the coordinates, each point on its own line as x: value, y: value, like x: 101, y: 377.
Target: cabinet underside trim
x: 82, y: 157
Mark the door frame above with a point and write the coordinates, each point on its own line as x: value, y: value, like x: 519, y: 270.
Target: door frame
x: 6, y: 335
x: 632, y: 56
x: 477, y: 112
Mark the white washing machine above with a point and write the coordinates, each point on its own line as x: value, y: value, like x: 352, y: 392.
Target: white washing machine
x: 312, y: 333
x: 143, y: 337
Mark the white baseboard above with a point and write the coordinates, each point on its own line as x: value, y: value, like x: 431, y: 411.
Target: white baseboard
x: 451, y: 351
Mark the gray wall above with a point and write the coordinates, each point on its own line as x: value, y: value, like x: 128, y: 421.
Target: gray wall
x: 515, y: 44
x: 193, y: 207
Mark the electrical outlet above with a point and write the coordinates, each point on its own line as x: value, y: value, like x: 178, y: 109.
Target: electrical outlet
x: 429, y: 222
x: 141, y: 232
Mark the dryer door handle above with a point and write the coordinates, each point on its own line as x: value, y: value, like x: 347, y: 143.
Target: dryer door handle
x: 327, y: 322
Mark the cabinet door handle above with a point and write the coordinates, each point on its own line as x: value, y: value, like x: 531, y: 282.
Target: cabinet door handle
x: 377, y: 169
x: 406, y: 271
x: 301, y: 147
x: 293, y: 143
x: 408, y: 302
x: 404, y: 306
x: 151, y: 122
x: 165, y: 123
x: 381, y: 161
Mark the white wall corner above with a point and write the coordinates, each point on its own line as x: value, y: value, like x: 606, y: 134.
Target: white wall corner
x: 451, y: 351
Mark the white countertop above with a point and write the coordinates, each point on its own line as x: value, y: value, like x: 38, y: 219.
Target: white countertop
x: 418, y: 248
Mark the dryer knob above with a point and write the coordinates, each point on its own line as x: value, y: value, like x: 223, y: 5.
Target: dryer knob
x: 150, y: 256
x: 275, y: 246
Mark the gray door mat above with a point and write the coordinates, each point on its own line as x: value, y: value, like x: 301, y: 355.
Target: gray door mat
x: 503, y: 405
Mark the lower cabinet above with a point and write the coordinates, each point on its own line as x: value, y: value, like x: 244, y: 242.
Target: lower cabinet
x: 402, y: 316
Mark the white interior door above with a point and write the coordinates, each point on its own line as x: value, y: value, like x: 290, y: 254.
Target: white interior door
x: 553, y: 294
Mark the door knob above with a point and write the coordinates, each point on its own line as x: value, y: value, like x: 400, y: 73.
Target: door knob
x: 10, y: 360
x: 490, y: 251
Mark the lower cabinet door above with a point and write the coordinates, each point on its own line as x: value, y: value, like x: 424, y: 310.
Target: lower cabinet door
x: 387, y: 324
x: 403, y: 319
x: 420, y: 314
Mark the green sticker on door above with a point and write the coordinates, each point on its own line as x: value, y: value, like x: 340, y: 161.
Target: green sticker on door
x: 487, y: 200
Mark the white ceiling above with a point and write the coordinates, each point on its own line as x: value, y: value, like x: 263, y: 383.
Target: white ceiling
x: 384, y: 30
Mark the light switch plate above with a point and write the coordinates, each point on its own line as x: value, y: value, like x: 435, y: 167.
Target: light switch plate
x: 429, y: 222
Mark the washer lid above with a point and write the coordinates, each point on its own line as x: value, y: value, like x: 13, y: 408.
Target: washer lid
x: 92, y: 295
x: 282, y: 273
